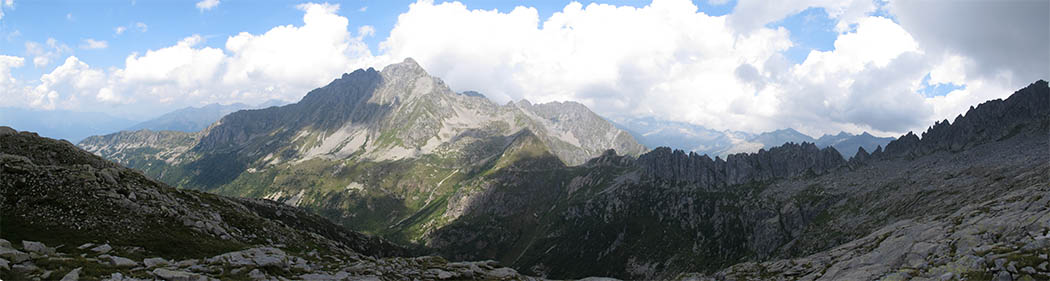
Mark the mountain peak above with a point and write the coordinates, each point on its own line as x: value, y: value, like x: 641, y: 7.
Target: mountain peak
x: 408, y: 65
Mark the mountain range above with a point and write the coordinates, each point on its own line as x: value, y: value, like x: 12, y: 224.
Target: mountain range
x: 193, y: 119
x: 555, y: 191
x: 63, y: 124
x: 654, y: 133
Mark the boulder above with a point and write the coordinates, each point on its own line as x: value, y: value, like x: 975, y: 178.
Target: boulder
x: 15, y: 256
x: 36, y: 247
x: 73, y: 275
x: 102, y: 249
x: 118, y: 261
x: 25, y: 267
x: 255, y: 274
x: 153, y: 262
x: 173, y: 275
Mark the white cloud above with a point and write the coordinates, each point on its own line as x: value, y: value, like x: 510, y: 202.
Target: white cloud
x: 751, y: 15
x: 282, y: 63
x: 876, y: 41
x: 9, y: 86
x: 665, y: 60
x: 6, y: 64
x: 362, y: 9
x: 44, y: 54
x: 659, y: 59
x: 92, y: 44
x: 142, y: 27
x: 672, y: 62
x: 181, y: 64
x: 304, y: 57
x: 366, y: 31
x: 66, y: 86
x: 120, y: 30
x: 205, y: 5
x: 998, y: 36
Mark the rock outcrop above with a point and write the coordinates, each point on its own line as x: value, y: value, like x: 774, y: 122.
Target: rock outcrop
x: 784, y: 161
x: 990, y: 121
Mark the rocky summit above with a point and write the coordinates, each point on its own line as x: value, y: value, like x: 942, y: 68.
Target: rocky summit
x: 555, y: 191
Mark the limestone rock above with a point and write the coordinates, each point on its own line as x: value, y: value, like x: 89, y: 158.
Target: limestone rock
x: 15, y: 256
x: 118, y: 261
x: 102, y: 249
x: 174, y: 275
x: 73, y: 275
x: 154, y: 262
x: 37, y: 247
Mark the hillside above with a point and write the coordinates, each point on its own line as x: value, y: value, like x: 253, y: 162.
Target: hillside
x: 71, y: 214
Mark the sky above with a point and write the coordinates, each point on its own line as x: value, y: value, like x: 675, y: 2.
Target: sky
x: 819, y: 66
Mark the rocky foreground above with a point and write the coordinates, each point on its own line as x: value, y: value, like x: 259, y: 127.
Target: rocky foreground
x: 70, y: 215
x: 37, y: 261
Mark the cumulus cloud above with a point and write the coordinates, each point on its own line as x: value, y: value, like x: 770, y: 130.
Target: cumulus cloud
x: 66, y: 86
x: 749, y: 15
x: 666, y: 60
x: 284, y: 63
x: 6, y: 64
x: 205, y: 5
x: 92, y: 44
x: 999, y: 36
x: 670, y: 61
x: 664, y: 57
x: 44, y: 54
x: 120, y: 30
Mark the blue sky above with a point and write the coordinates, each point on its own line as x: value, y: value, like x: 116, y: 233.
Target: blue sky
x: 881, y: 66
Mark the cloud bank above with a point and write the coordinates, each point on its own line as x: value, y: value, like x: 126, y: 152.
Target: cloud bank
x: 666, y: 60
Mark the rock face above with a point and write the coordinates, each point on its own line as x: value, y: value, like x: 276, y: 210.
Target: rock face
x: 57, y: 194
x: 402, y: 112
x: 779, y: 162
x: 990, y: 121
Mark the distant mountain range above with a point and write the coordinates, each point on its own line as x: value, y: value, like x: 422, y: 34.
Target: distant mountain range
x: 653, y: 133
x: 74, y: 126
x: 553, y: 190
x: 192, y: 119
x: 62, y: 124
